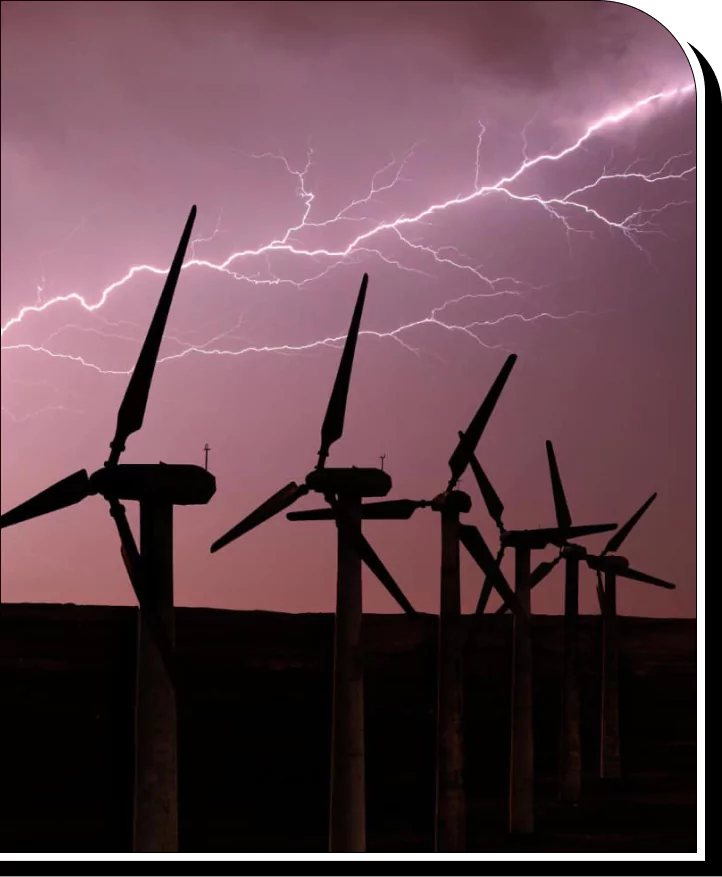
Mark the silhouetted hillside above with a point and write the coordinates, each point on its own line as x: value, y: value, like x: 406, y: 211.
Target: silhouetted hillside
x: 254, y: 708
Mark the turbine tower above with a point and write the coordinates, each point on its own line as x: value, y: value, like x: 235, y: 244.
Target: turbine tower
x: 570, y: 761
x: 343, y: 490
x: 611, y: 566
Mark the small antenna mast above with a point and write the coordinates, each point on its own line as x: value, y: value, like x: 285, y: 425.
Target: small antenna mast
x: 382, y: 458
x: 206, y: 449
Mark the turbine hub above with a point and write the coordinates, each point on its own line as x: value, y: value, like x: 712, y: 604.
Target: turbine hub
x: 455, y: 501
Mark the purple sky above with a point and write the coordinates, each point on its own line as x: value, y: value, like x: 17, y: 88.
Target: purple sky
x: 271, y: 117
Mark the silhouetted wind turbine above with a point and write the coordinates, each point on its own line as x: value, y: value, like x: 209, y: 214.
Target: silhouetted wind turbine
x: 451, y: 503
x: 570, y: 779
x: 157, y: 488
x: 343, y: 490
x: 572, y: 554
x: 611, y: 566
x: 521, y: 791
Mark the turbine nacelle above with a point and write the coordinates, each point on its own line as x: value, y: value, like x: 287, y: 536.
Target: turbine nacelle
x: 608, y: 563
x: 158, y: 482
x: 349, y: 481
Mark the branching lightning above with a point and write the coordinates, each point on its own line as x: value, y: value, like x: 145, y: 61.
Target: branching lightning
x: 383, y: 240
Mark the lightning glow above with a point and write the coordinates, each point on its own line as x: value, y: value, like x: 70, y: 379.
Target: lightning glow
x: 372, y: 242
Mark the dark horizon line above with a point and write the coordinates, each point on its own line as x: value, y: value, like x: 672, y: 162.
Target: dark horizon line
x: 332, y: 614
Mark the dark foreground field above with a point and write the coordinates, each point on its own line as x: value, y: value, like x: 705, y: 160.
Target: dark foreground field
x: 254, y: 706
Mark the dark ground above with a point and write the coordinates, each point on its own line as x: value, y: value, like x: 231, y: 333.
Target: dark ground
x: 254, y: 707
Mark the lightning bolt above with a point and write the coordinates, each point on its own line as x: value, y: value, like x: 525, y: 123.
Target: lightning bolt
x: 17, y: 418
x: 572, y: 210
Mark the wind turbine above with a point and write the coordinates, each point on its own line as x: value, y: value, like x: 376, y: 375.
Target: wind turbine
x: 570, y: 781
x: 611, y: 566
x: 157, y: 487
x: 450, y: 825
x: 573, y: 555
x: 521, y: 792
x: 343, y: 490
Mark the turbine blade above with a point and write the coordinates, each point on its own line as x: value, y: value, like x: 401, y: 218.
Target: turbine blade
x: 601, y: 596
x: 128, y: 549
x: 486, y: 589
x: 537, y: 577
x: 459, y: 460
x: 542, y: 571
x: 326, y: 514
x: 474, y: 543
x: 392, y: 510
x: 561, y: 508
x: 494, y: 505
x: 150, y: 615
x: 132, y: 408
x: 616, y: 541
x: 69, y: 491
x: 134, y: 567
x: 332, y: 428
x: 280, y: 500
x: 375, y: 564
x: 558, y: 536
x: 638, y: 576
x: 588, y: 530
x: 554, y: 535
